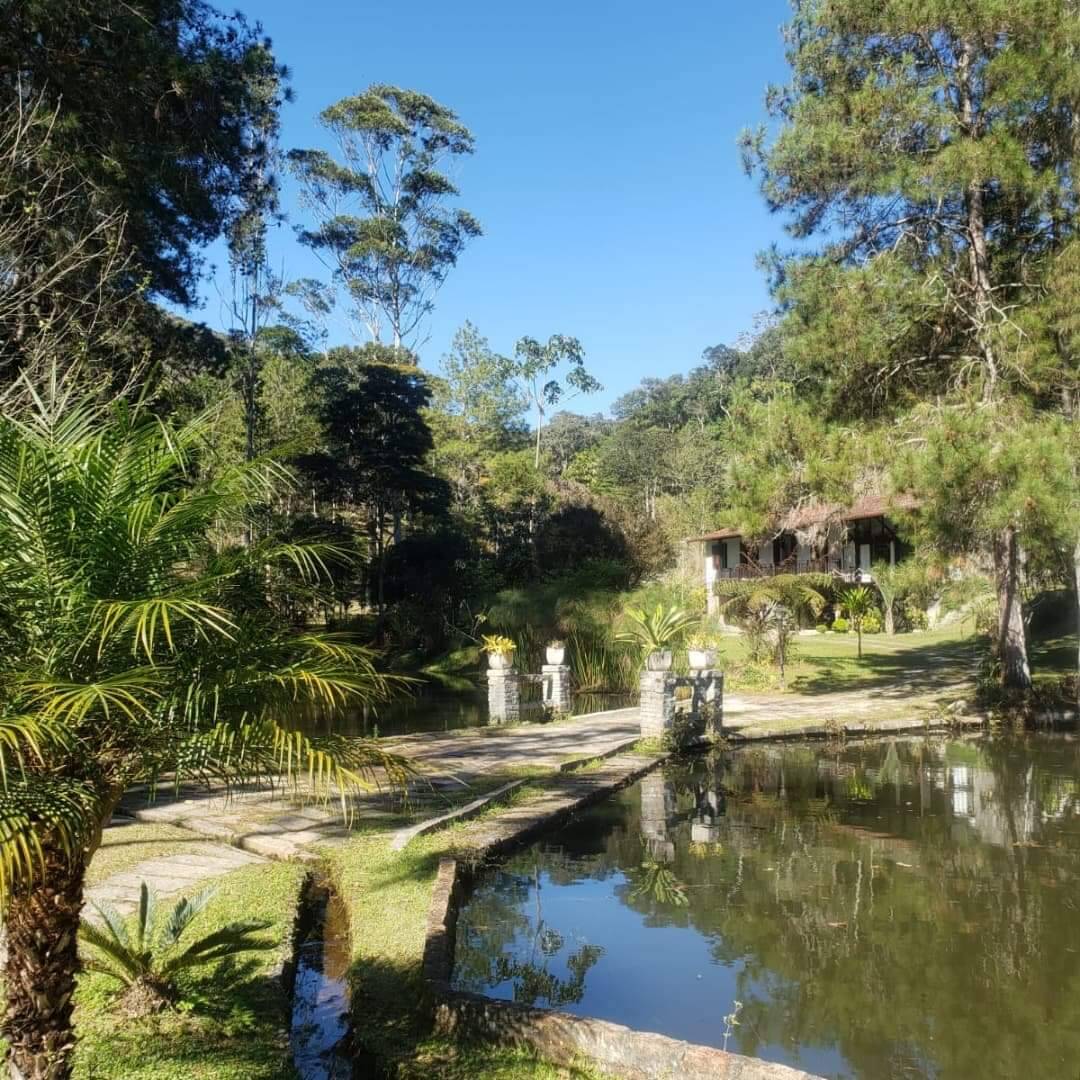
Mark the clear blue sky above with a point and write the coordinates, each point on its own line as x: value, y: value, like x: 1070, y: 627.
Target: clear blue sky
x: 606, y: 175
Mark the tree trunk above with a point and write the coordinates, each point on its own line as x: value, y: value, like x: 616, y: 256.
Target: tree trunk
x: 890, y: 619
x: 1076, y: 578
x: 1012, y: 640
x: 981, y: 283
x: 39, y: 974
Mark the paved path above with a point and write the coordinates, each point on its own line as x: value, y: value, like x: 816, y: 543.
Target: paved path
x: 168, y: 875
x: 263, y: 823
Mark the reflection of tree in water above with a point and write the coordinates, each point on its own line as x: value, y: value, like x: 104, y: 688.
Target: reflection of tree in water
x: 499, y: 941
x: 922, y: 920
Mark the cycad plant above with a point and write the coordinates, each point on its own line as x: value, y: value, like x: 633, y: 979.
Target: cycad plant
x: 140, y: 637
x: 144, y: 953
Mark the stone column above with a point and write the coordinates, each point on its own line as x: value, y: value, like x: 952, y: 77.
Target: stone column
x: 657, y: 708
x: 557, y: 688
x: 709, y: 700
x: 504, y: 696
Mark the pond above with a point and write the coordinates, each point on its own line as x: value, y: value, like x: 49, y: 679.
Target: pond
x: 881, y: 910
x: 433, y: 708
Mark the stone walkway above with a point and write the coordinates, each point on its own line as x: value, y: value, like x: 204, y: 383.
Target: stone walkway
x: 168, y: 874
x: 264, y: 823
x: 251, y: 825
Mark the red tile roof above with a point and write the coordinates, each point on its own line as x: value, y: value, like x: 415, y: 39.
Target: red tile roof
x: 815, y: 514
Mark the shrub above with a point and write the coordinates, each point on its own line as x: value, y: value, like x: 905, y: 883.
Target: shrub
x: 914, y: 617
x: 840, y: 626
x: 143, y: 954
x: 822, y: 628
x: 872, y: 623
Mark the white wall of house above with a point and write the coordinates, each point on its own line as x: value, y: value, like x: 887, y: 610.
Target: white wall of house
x: 803, y: 553
x: 764, y: 556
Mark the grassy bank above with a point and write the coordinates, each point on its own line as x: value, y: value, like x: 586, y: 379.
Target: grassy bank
x: 388, y: 894
x: 233, y: 1023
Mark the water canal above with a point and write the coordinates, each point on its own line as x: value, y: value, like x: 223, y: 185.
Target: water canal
x: 433, y: 708
x: 877, y: 910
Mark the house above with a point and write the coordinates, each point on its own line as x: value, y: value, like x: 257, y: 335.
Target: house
x: 821, y: 538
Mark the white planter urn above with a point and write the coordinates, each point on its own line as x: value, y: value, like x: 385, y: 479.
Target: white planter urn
x: 660, y: 660
x: 556, y: 654
x: 500, y: 661
x: 701, y: 659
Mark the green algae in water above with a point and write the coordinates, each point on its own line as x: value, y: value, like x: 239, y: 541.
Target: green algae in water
x: 884, y: 910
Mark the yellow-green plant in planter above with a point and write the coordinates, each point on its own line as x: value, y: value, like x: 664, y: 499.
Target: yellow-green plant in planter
x: 701, y: 651
x: 499, y: 649
x: 657, y: 632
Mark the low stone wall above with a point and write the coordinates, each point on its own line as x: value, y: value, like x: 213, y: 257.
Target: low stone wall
x: 560, y: 1037
x: 565, y: 1039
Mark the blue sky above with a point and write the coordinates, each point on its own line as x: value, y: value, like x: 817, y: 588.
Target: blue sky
x: 606, y: 175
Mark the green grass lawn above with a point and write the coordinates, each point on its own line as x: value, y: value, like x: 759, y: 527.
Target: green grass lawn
x: 235, y: 1019
x: 827, y: 663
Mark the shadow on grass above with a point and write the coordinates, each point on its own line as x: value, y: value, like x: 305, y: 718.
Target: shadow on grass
x: 913, y: 671
x: 230, y: 1026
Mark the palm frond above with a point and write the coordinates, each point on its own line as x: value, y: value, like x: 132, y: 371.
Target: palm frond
x: 142, y: 618
x: 28, y: 735
x: 37, y: 811
x: 130, y: 693
x: 226, y: 941
x: 182, y: 915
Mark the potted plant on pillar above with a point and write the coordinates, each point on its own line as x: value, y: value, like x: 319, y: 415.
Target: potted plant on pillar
x: 500, y: 651
x: 556, y: 652
x: 657, y: 633
x: 701, y: 651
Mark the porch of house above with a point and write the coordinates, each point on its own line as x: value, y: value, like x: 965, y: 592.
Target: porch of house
x: 866, y: 541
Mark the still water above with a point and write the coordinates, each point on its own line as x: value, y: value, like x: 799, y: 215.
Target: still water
x: 883, y: 910
x: 430, y: 708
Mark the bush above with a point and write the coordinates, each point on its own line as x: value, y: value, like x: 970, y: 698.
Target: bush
x: 822, y: 628
x: 913, y: 616
x: 872, y: 623
x: 840, y: 626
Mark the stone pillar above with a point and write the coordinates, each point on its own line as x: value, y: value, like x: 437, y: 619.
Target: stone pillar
x: 657, y: 708
x: 709, y: 700
x: 557, y: 688
x: 504, y: 696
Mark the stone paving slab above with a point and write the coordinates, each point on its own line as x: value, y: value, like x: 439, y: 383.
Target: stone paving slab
x: 168, y: 875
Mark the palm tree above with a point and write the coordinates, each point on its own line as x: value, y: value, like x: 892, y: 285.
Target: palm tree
x: 858, y: 602
x: 892, y: 582
x: 768, y: 607
x: 139, y: 639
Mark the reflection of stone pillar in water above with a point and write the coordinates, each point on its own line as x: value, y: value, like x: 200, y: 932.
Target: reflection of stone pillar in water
x: 705, y: 828
x: 655, y: 809
x: 504, y: 696
x: 557, y: 688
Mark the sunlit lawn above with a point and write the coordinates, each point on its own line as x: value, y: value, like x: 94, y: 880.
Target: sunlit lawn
x: 921, y: 662
x: 235, y: 1019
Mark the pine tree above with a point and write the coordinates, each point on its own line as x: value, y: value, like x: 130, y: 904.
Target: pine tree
x: 929, y: 145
